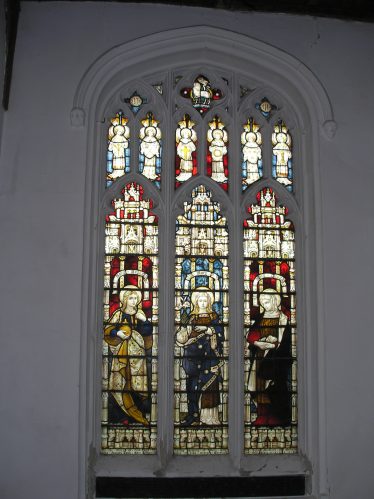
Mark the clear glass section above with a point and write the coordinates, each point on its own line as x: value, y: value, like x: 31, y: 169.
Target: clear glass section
x: 186, y: 145
x: 150, y: 149
x: 129, y: 383
x: 217, y: 153
x: 118, y: 152
x: 270, y: 383
x: 201, y: 328
x: 282, y: 169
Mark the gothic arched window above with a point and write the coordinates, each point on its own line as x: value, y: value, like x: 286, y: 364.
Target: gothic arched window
x: 204, y: 113
x: 203, y: 187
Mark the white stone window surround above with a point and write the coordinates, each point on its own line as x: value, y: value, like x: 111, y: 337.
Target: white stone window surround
x: 307, y: 111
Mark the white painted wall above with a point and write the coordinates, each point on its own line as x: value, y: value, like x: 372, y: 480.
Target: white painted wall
x: 42, y: 179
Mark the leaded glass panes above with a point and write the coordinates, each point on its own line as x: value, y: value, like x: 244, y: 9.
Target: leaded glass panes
x: 251, y: 141
x: 217, y: 153
x: 150, y: 149
x: 201, y: 328
x: 118, y: 151
x: 205, y: 139
x: 186, y: 145
x: 130, y: 325
x: 282, y: 155
x: 270, y: 329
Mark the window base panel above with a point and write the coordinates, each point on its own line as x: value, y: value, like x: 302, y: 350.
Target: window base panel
x: 119, y: 487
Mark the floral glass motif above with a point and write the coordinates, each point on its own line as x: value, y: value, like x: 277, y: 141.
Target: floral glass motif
x: 266, y: 107
x: 217, y: 153
x: 130, y: 326
x: 201, y: 94
x: 150, y: 149
x: 269, y: 329
x: 135, y: 102
x: 251, y: 141
x: 118, y: 152
x: 282, y: 155
x: 201, y: 328
x: 186, y: 144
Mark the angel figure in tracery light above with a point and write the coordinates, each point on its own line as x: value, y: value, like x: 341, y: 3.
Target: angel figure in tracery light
x: 118, y: 146
x: 281, y: 140
x: 186, y: 138
x: 217, y: 138
x: 251, y: 141
x: 150, y: 146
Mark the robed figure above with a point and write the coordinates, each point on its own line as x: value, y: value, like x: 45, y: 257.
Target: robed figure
x: 129, y: 336
x: 269, y: 341
x: 202, y: 340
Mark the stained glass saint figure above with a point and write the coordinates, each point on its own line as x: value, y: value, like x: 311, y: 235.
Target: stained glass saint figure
x: 201, y: 328
x: 270, y: 329
x: 118, y: 152
x: 217, y: 158
x: 186, y: 141
x: 150, y: 149
x: 282, y: 155
x: 251, y: 141
x: 129, y: 408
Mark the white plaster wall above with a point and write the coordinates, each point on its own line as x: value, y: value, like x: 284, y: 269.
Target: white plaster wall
x: 42, y: 178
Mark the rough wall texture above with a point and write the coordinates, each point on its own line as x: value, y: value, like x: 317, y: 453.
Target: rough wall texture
x: 42, y: 179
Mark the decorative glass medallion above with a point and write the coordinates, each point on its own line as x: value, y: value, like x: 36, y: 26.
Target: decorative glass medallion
x: 150, y: 149
x: 201, y: 328
x: 118, y: 152
x: 266, y: 107
x: 269, y: 329
x: 251, y: 141
x: 282, y: 155
x: 201, y: 94
x: 185, y: 143
x: 217, y: 154
x: 129, y: 392
x: 136, y: 102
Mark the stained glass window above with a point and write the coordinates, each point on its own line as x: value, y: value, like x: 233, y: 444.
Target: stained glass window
x: 251, y: 141
x: 201, y: 328
x: 150, y: 149
x: 237, y: 127
x: 270, y: 329
x: 186, y: 145
x: 217, y: 153
x: 118, y: 152
x: 282, y: 155
x: 130, y: 325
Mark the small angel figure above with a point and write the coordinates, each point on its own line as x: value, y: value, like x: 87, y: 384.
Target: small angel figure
x: 186, y: 145
x: 119, y: 134
x: 217, y: 139
x: 282, y: 152
x: 251, y: 155
x: 150, y: 146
